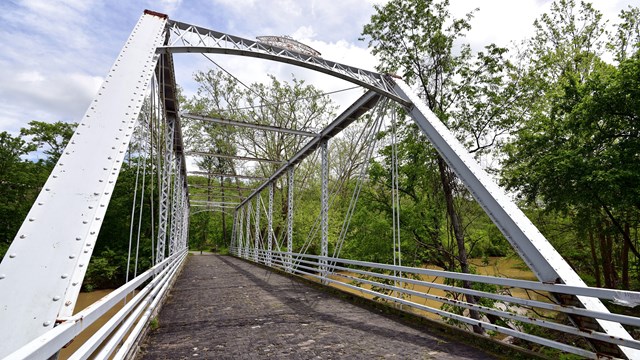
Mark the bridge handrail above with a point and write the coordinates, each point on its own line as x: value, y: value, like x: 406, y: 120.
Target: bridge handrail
x: 308, y: 266
x: 49, y: 343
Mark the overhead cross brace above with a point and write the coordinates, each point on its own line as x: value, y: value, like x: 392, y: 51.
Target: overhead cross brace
x: 234, y: 157
x: 230, y: 187
x: 249, y: 125
x: 227, y: 175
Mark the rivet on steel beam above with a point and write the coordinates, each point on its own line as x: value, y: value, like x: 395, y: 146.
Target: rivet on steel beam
x: 64, y: 276
x: 32, y: 219
x: 72, y: 256
x: 80, y: 265
x: 78, y: 238
x: 84, y: 221
x: 22, y: 236
x: 46, y: 323
x: 93, y: 233
x: 95, y: 193
x: 90, y: 207
x: 2, y: 276
x: 67, y: 303
x: 47, y: 189
x: 12, y: 255
x: 40, y: 203
x: 56, y: 298
x: 74, y: 283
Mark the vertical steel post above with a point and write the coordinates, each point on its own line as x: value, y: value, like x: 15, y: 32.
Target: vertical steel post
x: 324, y: 209
x: 165, y: 189
x: 270, y: 225
x: 248, y: 239
x: 175, y: 205
x: 257, y: 232
x: 289, y: 261
x: 233, y: 231
x: 240, y: 233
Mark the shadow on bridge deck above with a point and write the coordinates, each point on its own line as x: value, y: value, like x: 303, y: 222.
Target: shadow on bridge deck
x: 223, y: 307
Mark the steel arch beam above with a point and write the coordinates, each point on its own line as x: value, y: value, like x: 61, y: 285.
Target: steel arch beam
x: 196, y: 39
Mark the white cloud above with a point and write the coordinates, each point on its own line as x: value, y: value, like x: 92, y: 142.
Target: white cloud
x: 55, y: 53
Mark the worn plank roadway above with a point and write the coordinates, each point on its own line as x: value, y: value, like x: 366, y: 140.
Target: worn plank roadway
x: 225, y: 308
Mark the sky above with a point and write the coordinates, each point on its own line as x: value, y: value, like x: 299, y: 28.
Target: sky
x: 56, y: 53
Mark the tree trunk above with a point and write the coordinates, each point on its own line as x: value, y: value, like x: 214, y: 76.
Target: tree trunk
x: 605, y: 255
x: 594, y: 258
x: 624, y: 258
x: 446, y: 179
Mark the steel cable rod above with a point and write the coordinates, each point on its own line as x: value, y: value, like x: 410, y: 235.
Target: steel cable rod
x: 133, y: 208
x: 335, y: 189
x: 371, y: 139
x: 144, y: 176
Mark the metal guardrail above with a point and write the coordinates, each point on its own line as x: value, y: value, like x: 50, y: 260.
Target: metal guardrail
x: 397, y: 284
x: 128, y: 321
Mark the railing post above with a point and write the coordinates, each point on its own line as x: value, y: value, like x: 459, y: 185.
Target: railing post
x: 290, y: 220
x: 324, y: 210
x: 270, y: 225
x: 257, y: 233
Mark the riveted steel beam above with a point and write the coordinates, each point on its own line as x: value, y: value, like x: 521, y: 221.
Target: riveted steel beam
x: 41, y: 275
x: 536, y: 251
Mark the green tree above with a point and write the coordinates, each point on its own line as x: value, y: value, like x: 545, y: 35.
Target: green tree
x: 467, y: 91
x: 22, y: 178
x: 52, y: 138
x: 577, y: 150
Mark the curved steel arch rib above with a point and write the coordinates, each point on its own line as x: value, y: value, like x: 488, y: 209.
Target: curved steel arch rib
x: 186, y: 38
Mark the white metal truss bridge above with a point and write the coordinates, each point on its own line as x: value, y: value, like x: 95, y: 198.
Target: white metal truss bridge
x: 42, y: 272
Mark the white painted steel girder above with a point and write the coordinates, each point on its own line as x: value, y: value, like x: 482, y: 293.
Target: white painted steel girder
x: 42, y: 272
x: 536, y: 251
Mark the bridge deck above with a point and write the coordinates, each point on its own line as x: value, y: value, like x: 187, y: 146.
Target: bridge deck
x: 223, y: 307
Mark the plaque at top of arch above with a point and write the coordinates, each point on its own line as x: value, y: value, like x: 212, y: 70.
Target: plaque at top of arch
x: 289, y: 43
